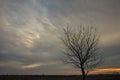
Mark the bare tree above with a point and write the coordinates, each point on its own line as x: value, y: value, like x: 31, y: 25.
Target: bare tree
x: 81, y: 48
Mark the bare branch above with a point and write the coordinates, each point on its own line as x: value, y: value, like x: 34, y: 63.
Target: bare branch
x: 82, y: 47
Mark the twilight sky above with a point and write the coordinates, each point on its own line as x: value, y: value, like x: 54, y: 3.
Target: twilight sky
x: 30, y: 31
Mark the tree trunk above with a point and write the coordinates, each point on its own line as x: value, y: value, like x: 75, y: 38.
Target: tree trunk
x: 83, y: 74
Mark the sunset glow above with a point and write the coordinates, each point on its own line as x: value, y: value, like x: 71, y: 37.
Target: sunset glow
x: 106, y: 70
x: 31, y: 66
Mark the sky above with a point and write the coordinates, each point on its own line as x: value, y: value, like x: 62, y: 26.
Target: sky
x: 30, y: 33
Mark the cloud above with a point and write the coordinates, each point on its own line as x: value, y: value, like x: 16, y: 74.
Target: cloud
x: 11, y: 64
x: 30, y: 31
x: 31, y: 66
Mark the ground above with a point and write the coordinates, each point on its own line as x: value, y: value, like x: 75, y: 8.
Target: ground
x: 58, y: 77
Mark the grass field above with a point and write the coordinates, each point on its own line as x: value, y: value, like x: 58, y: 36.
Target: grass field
x: 58, y: 77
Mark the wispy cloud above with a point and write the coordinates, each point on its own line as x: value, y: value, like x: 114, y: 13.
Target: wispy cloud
x: 30, y: 31
x: 32, y: 66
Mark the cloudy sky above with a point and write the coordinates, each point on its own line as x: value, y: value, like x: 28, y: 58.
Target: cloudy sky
x: 30, y: 31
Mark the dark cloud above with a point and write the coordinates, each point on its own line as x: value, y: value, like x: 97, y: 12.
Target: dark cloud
x: 111, y: 55
x: 30, y: 31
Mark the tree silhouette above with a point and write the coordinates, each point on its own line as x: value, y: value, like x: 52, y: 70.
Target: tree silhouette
x: 81, y: 48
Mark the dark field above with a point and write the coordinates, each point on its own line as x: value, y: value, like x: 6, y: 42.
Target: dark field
x: 58, y: 77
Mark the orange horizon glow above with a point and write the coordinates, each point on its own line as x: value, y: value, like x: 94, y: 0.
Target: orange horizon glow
x: 105, y: 70
x: 96, y: 71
